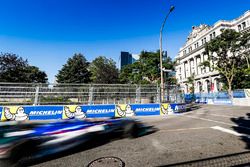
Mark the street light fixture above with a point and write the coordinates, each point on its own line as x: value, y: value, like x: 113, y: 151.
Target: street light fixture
x: 162, y: 27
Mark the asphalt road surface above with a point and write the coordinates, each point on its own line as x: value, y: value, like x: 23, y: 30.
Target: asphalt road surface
x: 209, y: 131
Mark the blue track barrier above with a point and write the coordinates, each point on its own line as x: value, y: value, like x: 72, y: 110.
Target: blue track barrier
x: 213, y: 98
x: 21, y: 113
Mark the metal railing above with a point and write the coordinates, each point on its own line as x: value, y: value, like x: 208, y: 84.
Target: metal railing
x: 216, y: 96
x: 45, y: 94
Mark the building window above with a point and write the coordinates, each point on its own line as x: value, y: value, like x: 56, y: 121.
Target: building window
x: 243, y: 25
x: 208, y: 84
x: 213, y: 34
x: 189, y: 49
x: 203, y: 41
x: 196, y: 45
x: 239, y: 27
x: 199, y: 86
x: 184, y: 52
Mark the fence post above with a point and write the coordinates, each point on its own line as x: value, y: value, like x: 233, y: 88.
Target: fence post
x: 91, y: 92
x: 158, y: 94
x: 36, y: 96
x: 138, y: 94
x: 175, y: 91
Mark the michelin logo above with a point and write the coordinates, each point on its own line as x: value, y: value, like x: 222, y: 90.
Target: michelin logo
x: 128, y: 112
x: 20, y: 115
x: 78, y: 113
x: 50, y: 112
x: 100, y: 111
x: 147, y: 109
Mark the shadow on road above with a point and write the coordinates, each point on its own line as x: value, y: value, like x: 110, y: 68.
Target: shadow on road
x: 243, y: 127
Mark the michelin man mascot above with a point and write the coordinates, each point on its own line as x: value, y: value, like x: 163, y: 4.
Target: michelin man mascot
x: 78, y: 114
x: 128, y: 112
x: 20, y: 115
x: 167, y: 110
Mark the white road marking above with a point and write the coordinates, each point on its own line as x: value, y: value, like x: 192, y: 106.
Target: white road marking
x: 210, y: 120
x: 227, y: 131
x: 226, y: 116
x: 184, y: 129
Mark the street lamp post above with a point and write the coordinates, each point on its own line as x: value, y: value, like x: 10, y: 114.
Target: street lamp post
x: 162, y: 82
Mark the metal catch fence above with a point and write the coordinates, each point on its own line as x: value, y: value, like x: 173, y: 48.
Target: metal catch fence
x: 46, y: 94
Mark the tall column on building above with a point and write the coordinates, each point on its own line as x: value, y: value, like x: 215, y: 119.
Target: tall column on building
x: 195, y: 87
x: 195, y: 66
x: 207, y: 68
x: 203, y: 85
x: 191, y: 63
x: 184, y: 68
x: 189, y: 68
x: 202, y: 60
x: 183, y: 71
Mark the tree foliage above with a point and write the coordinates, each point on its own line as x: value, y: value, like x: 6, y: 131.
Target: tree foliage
x: 15, y: 69
x: 146, y: 70
x: 103, y: 71
x: 75, y: 70
x: 225, y: 55
x: 241, y: 79
x: 191, y: 81
x: 34, y: 75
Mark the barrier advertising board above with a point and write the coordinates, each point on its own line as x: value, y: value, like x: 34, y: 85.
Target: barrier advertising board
x: 127, y: 110
x: 21, y: 113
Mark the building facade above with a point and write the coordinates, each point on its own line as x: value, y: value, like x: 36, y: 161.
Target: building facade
x: 192, y: 54
x: 126, y: 58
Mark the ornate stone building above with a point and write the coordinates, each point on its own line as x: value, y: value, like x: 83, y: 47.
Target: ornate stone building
x: 192, y: 54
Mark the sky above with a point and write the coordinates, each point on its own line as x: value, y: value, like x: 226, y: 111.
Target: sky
x: 48, y: 32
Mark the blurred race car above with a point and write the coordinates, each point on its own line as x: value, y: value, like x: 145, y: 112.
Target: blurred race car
x: 38, y: 139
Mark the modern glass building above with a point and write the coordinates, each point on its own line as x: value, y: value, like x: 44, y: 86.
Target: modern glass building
x: 126, y: 58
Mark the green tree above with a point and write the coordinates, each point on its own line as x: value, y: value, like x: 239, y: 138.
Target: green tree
x: 132, y: 74
x: 15, y: 69
x: 147, y: 69
x: 34, y: 75
x: 74, y: 71
x: 241, y: 79
x: 104, y: 71
x: 224, y: 55
x: 245, y: 48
